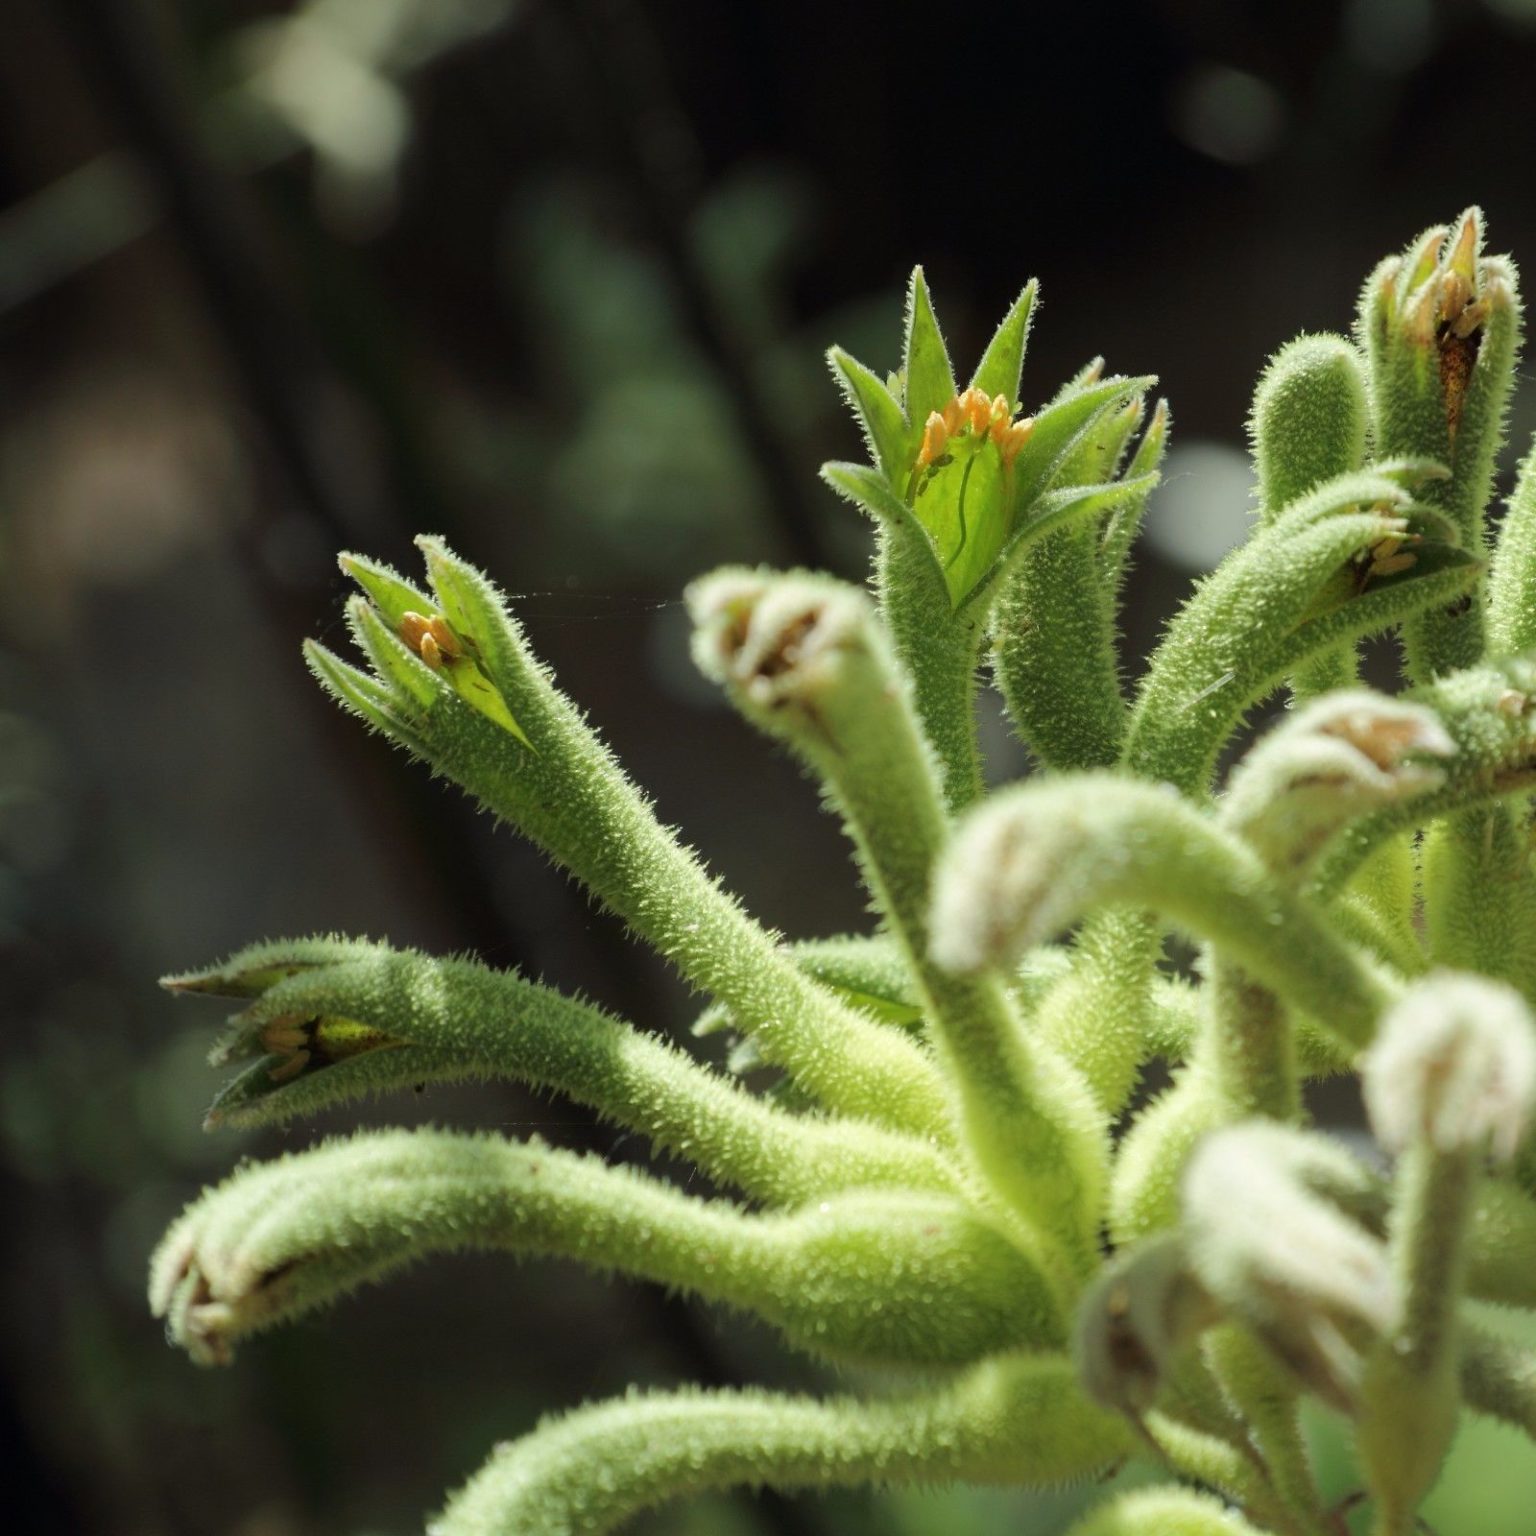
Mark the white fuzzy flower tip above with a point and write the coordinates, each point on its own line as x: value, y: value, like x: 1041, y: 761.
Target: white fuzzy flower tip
x: 1330, y: 761
x: 1392, y: 736
x: 1454, y: 1066
x: 989, y: 890
x: 1262, y: 1241
x: 773, y: 637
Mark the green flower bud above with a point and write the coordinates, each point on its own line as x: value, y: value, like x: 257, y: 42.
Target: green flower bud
x: 1309, y: 419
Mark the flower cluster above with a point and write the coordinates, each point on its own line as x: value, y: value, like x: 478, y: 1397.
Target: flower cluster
x: 1039, y: 1272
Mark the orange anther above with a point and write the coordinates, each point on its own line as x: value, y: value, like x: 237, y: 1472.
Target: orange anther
x: 1014, y: 438
x: 447, y: 642
x: 978, y: 410
x: 935, y: 439
x: 413, y: 626
x: 430, y: 638
x: 1392, y: 564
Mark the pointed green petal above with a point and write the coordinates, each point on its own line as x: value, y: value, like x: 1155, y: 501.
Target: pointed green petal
x: 392, y: 659
x: 381, y: 706
x: 475, y: 615
x: 1121, y: 526
x: 391, y: 594
x: 1058, y: 429
x: 1002, y: 365
x: 930, y: 379
x: 891, y: 443
x: 1057, y: 509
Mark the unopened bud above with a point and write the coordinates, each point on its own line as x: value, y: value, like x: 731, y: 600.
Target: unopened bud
x: 1334, y: 760
x: 1134, y: 1322
x: 775, y: 639
x: 1309, y: 419
x: 1282, y: 1259
x: 935, y: 439
x: 1454, y: 1067
x: 1026, y: 865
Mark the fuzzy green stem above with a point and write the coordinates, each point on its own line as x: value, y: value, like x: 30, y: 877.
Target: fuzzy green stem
x: 833, y: 692
x: 939, y: 648
x: 1498, y: 1378
x: 444, y: 1020
x: 1247, y: 1046
x: 1215, y: 1462
x: 857, y: 1277
x: 1055, y: 657
x: 1479, y: 893
x: 568, y: 794
x: 1409, y: 1394
x: 1008, y: 1421
x: 1512, y: 576
x: 1266, y: 1399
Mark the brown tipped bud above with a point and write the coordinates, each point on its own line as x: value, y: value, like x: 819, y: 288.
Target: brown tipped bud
x: 1283, y: 1260
x: 1454, y: 1067
x: 1135, y: 1321
x: 773, y: 639
x: 1331, y: 762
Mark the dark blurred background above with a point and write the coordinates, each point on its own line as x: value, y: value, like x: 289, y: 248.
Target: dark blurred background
x: 554, y: 279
